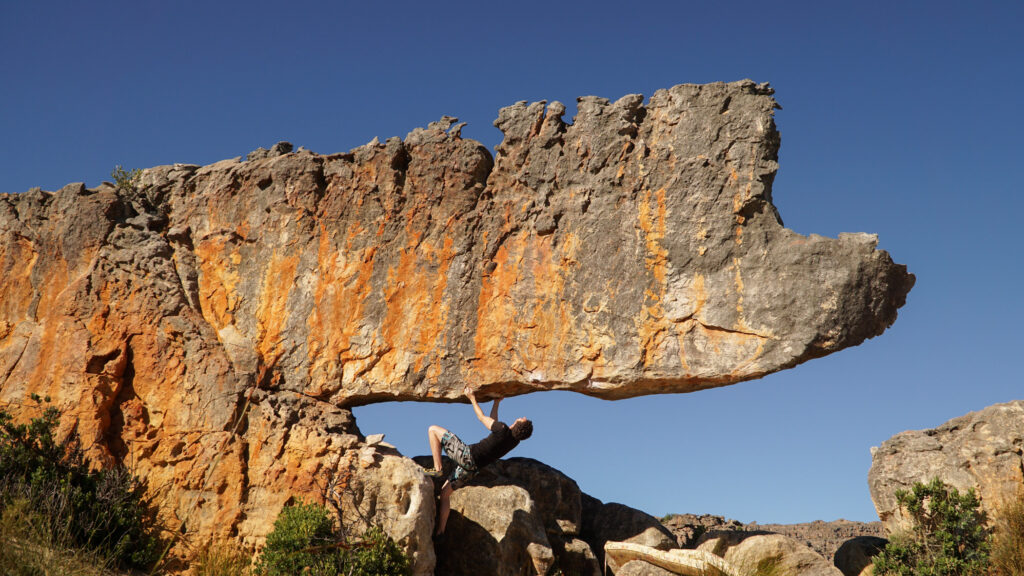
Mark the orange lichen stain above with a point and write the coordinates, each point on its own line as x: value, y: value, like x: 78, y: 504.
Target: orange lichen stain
x: 16, y: 267
x: 741, y: 323
x: 700, y: 294
x: 652, y: 222
x: 52, y: 291
x: 651, y: 323
x: 431, y: 339
x: 272, y: 314
x: 217, y: 280
x: 416, y: 310
x: 496, y: 314
x: 550, y: 320
x: 339, y: 298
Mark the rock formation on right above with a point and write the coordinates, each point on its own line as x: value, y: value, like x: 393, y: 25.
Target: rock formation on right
x: 983, y: 450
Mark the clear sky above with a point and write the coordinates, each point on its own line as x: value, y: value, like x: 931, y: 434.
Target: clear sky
x: 899, y: 118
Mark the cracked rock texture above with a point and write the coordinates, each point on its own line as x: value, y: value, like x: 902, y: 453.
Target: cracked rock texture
x: 983, y: 450
x: 230, y: 314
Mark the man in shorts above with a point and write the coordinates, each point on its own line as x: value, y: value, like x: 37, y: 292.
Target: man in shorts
x: 470, y: 459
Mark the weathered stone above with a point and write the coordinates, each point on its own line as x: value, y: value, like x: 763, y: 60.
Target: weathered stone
x: 200, y: 323
x: 576, y: 557
x: 494, y: 530
x: 823, y: 537
x: 618, y: 555
x: 688, y: 528
x: 615, y: 522
x: 748, y: 550
x: 375, y: 485
x: 554, y: 501
x: 983, y: 450
x: 641, y: 568
x: 855, y: 556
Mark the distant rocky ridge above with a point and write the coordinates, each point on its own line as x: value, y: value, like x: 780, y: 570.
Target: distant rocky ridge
x: 822, y: 537
x: 214, y: 324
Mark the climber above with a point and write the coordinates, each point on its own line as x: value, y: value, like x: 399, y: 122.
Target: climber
x: 470, y: 459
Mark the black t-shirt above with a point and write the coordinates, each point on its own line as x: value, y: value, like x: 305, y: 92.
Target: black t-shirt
x: 497, y: 444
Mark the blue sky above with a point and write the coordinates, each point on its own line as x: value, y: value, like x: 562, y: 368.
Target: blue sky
x: 899, y: 118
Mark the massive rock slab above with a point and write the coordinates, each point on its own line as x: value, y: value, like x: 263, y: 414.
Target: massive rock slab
x: 210, y: 325
x: 633, y: 251
x: 983, y: 450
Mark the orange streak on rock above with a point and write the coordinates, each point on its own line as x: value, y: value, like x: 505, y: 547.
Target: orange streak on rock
x: 278, y: 279
x: 495, y: 314
x: 550, y: 322
x: 217, y: 281
x: 651, y: 323
x: 16, y: 266
x: 339, y: 301
x: 433, y: 340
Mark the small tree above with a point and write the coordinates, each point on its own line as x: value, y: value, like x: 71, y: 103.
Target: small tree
x: 947, y: 536
x: 305, y: 540
x: 126, y: 180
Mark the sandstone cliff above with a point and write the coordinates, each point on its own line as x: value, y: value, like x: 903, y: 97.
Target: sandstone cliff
x: 212, y: 324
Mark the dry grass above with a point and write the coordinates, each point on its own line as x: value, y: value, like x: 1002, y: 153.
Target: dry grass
x: 1007, y: 557
x: 222, y: 560
x: 31, y: 546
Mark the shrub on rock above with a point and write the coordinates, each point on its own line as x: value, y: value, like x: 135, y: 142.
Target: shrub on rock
x: 947, y: 536
x: 306, y: 540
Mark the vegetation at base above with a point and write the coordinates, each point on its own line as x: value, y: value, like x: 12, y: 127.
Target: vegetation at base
x: 66, y: 506
x: 1007, y: 557
x: 222, y: 560
x: 306, y: 540
x: 947, y: 536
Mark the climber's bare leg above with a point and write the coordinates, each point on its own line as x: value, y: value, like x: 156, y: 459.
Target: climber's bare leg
x: 445, y: 507
x: 435, y: 433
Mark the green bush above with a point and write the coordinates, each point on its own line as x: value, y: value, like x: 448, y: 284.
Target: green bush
x: 102, y: 511
x: 126, y: 180
x: 376, y: 555
x: 305, y: 540
x: 947, y: 536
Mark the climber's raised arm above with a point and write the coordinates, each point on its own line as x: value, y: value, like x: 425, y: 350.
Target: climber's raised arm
x: 487, y: 421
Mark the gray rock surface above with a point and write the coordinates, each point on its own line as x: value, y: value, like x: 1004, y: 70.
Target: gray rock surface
x: 641, y: 568
x: 855, y: 556
x: 822, y: 537
x: 983, y: 450
x: 748, y: 550
x: 619, y: 523
x: 512, y: 506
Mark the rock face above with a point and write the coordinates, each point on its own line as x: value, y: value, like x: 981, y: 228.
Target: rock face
x: 614, y: 522
x: 982, y: 450
x: 822, y: 537
x: 856, y: 555
x: 517, y: 514
x: 760, y: 551
x: 211, y: 324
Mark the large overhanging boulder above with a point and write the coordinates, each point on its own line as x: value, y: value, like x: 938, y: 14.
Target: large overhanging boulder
x: 193, y: 321
x: 635, y: 251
